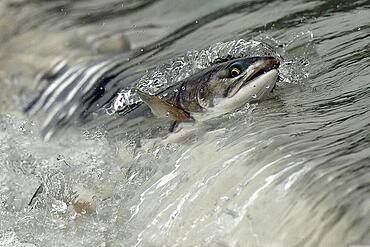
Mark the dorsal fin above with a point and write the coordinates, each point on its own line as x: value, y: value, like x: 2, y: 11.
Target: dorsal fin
x: 162, y: 108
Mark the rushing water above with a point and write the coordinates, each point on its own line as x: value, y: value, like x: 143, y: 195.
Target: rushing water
x: 293, y: 170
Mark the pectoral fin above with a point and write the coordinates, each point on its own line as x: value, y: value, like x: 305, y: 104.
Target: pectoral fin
x: 162, y: 108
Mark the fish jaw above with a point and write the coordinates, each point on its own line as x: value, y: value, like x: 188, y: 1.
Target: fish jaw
x: 255, y: 90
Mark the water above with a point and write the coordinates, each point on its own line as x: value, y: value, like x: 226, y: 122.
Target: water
x: 290, y: 171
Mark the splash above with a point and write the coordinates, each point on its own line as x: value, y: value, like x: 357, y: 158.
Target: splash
x: 182, y: 67
x: 296, y: 51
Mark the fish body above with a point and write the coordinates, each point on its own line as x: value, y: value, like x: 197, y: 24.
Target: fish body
x: 220, y: 89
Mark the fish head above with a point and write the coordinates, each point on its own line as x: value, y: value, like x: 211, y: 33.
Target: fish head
x: 239, y: 81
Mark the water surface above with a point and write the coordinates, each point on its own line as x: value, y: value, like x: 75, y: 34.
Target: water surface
x: 293, y: 170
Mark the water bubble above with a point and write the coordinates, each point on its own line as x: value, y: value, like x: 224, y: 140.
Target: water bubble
x: 254, y: 96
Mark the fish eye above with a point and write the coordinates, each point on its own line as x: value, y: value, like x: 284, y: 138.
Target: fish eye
x: 234, y: 72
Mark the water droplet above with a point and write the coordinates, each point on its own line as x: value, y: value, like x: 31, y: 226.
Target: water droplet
x: 268, y: 86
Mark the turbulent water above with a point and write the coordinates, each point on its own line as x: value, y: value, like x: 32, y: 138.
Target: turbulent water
x: 293, y: 170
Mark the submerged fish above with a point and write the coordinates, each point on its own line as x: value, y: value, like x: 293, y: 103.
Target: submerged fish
x: 220, y: 89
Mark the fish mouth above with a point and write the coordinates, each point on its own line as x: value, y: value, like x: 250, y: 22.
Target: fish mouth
x: 254, y: 71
